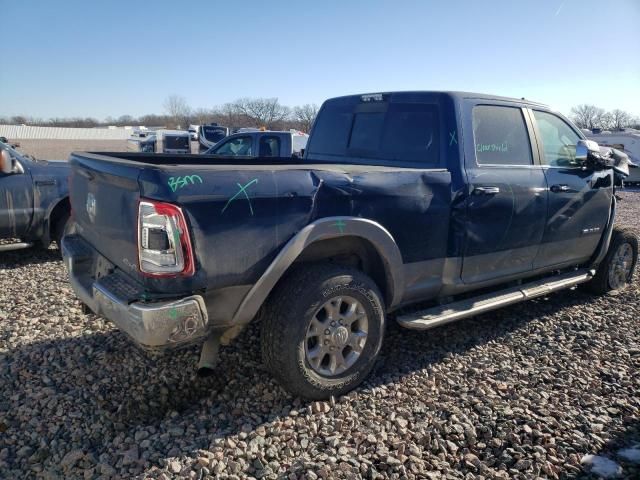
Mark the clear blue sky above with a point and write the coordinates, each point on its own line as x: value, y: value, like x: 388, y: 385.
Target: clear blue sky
x: 109, y: 58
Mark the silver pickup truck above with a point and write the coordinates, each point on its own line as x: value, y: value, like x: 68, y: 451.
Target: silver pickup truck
x: 261, y: 143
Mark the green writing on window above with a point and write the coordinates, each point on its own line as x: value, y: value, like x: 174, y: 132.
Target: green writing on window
x: 492, y: 147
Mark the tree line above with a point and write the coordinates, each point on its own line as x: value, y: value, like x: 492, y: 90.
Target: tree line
x: 271, y: 114
x: 590, y: 116
x: 244, y: 112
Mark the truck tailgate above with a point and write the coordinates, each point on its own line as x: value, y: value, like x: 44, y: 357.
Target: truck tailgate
x: 104, y: 203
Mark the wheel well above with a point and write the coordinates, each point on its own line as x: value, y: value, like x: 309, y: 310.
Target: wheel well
x: 62, y: 207
x: 354, y: 252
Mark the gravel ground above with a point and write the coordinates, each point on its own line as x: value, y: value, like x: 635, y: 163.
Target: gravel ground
x: 537, y: 390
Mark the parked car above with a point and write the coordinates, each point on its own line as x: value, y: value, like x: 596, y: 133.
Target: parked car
x: 433, y: 205
x: 261, y: 143
x: 34, y: 199
x: 209, y: 135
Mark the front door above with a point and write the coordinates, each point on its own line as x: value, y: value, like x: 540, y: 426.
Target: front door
x: 16, y: 204
x: 507, y: 202
x: 579, y: 200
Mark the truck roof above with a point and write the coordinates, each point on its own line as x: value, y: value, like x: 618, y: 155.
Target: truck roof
x: 457, y: 95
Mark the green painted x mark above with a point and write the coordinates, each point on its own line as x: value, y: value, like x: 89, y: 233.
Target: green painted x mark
x: 243, y: 190
x: 452, y: 138
x: 340, y: 224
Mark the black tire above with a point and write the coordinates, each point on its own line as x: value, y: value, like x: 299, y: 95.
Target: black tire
x: 289, y: 311
x: 600, y: 284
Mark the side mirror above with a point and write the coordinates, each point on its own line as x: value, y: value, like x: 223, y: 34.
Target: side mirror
x: 6, y: 162
x: 585, y: 149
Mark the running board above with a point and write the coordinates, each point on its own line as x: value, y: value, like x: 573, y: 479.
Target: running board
x: 15, y: 246
x: 442, y: 314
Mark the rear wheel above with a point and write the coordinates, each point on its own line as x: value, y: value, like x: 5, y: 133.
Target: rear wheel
x: 616, y: 270
x: 322, y: 330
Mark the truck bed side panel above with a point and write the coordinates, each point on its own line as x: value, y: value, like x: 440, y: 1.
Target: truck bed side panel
x: 240, y: 219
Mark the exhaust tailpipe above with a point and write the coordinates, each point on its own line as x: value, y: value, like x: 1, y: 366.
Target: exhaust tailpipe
x: 209, y: 356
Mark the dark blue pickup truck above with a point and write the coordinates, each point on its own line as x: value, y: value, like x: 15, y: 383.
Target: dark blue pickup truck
x: 34, y: 199
x: 460, y: 202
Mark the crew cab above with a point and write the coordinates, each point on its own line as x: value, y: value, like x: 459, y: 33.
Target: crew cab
x: 261, y: 143
x: 417, y: 207
x: 34, y: 199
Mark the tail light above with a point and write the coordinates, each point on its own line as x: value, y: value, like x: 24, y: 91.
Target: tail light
x: 164, y: 245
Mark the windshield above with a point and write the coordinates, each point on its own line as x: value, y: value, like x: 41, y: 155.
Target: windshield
x: 214, y: 134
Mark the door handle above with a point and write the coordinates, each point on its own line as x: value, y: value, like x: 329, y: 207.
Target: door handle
x: 560, y: 188
x: 486, y: 190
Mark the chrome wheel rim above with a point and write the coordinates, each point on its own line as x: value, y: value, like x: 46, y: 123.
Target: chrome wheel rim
x: 621, y: 264
x: 336, y: 336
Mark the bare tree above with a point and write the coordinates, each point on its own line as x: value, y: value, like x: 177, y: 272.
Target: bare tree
x: 620, y: 119
x: 19, y: 120
x: 125, y: 120
x: 305, y: 115
x: 264, y: 112
x: 178, y: 109
x: 604, y: 120
x: 202, y: 116
x: 587, y: 116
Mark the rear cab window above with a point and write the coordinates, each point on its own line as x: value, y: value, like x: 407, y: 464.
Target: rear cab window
x: 391, y: 132
x: 500, y: 136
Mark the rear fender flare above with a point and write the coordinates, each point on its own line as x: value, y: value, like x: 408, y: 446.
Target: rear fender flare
x: 323, y: 229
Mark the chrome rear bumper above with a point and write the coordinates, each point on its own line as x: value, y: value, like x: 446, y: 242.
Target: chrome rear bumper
x: 151, y: 325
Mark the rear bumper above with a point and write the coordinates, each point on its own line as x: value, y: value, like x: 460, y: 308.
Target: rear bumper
x: 109, y: 293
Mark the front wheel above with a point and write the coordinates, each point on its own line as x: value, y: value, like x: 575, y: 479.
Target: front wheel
x: 322, y: 330
x: 616, y: 270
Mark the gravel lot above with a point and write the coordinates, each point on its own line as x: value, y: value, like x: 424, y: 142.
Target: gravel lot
x: 523, y: 392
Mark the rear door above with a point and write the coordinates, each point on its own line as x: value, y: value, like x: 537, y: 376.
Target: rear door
x: 507, y: 201
x: 579, y: 200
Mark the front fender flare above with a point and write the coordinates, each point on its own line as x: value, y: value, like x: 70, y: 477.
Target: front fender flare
x: 323, y: 229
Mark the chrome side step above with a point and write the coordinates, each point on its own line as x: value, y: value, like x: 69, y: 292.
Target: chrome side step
x: 15, y: 246
x: 442, y: 314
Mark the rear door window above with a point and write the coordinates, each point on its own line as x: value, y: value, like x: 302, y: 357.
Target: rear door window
x: 500, y: 136
x: 269, y: 146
